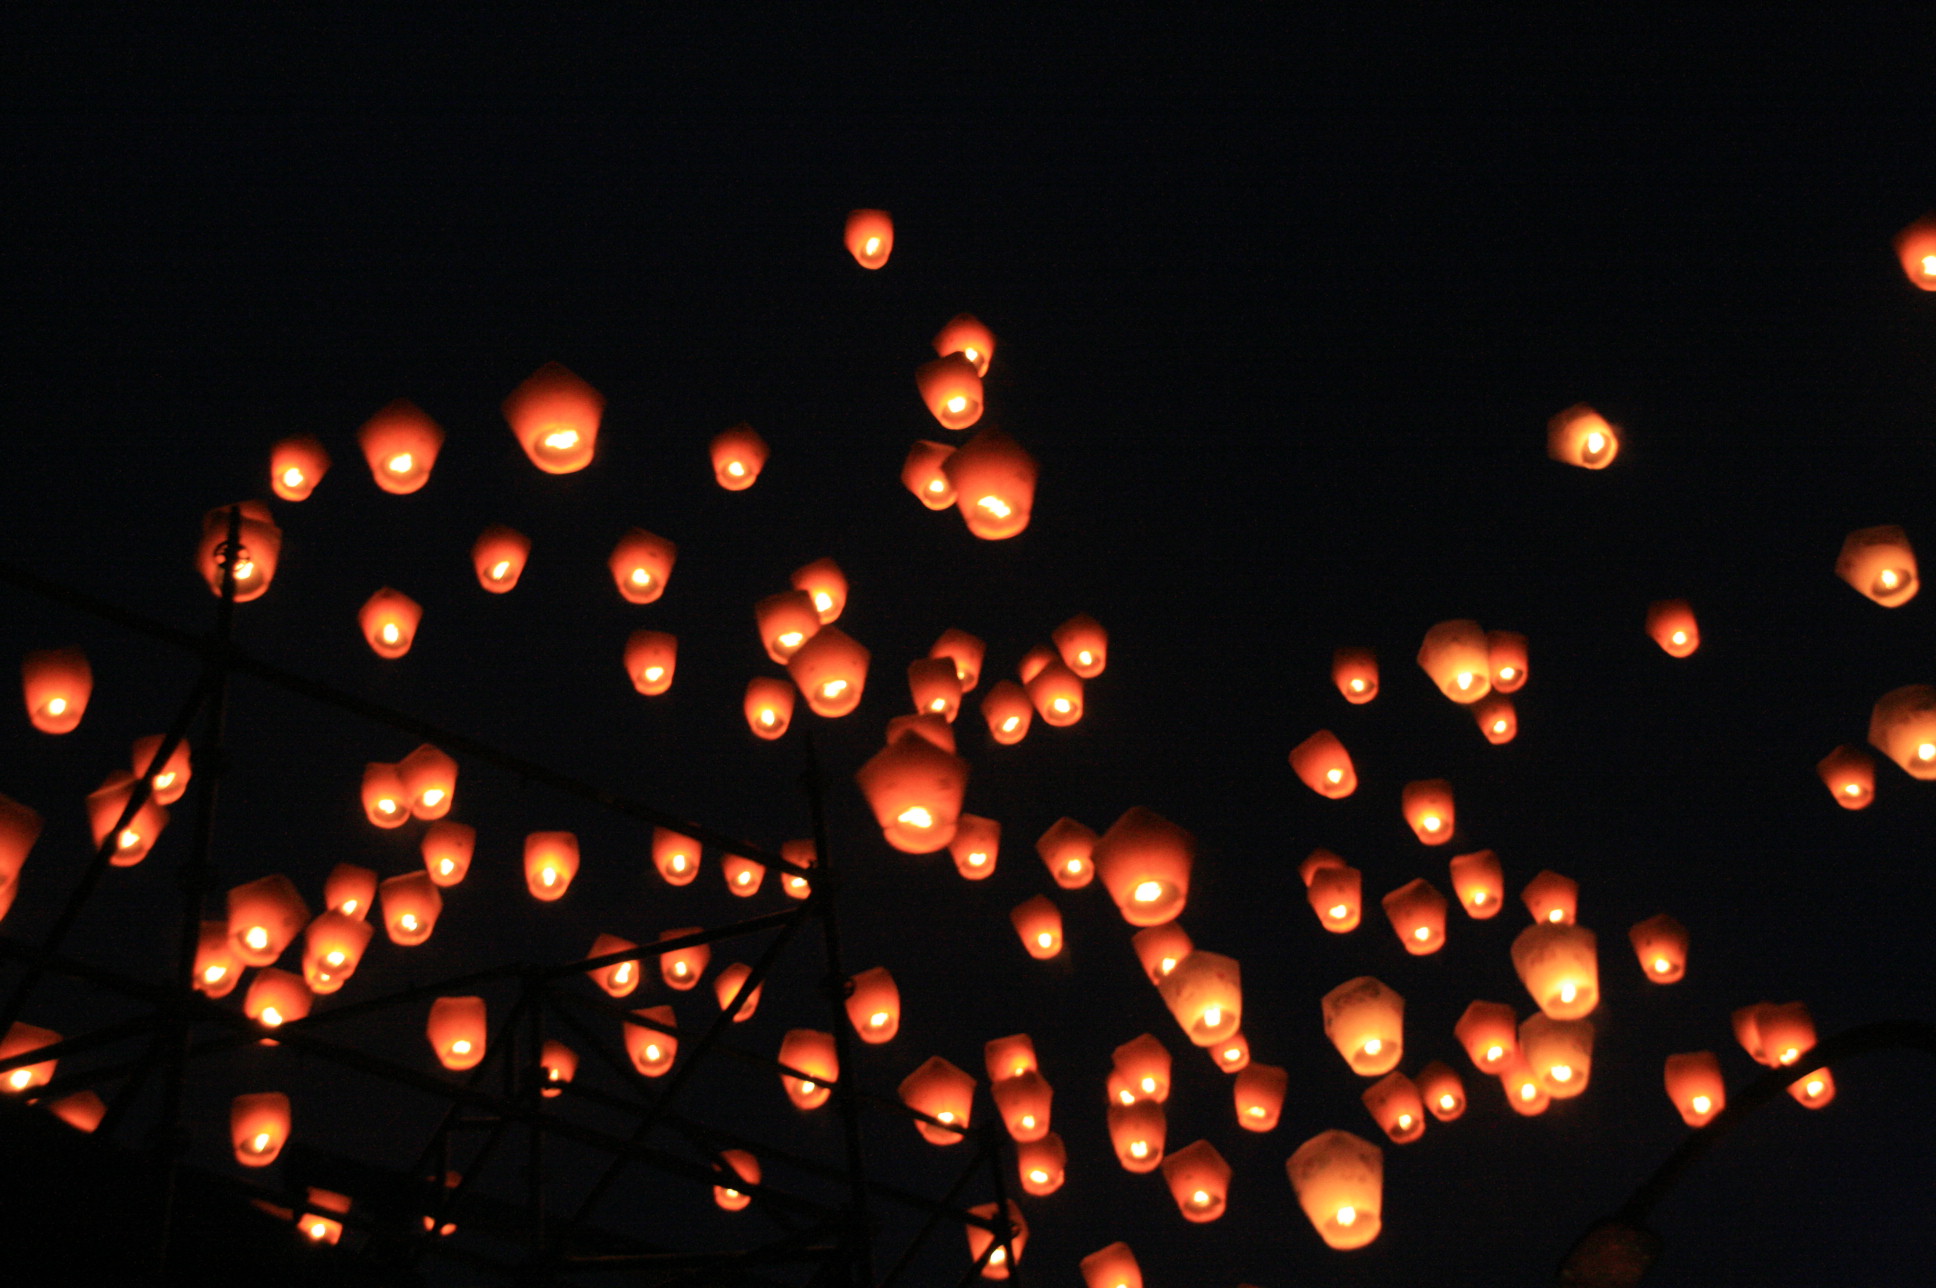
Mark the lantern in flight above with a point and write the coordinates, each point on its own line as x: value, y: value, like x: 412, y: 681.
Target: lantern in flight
x: 1160, y: 948
x: 106, y: 804
x: 965, y: 651
x: 1340, y: 1184
x: 258, y: 1127
x: 801, y: 855
x: 22, y: 1038
x: 333, y: 945
x: 935, y: 687
x: 1083, y: 644
x: 498, y: 556
x: 869, y: 237
x: 276, y: 997
x: 1335, y: 890
x: 976, y: 845
x: 1397, y: 1107
x: 768, y: 706
x: 1140, y: 1070
x: 1695, y: 1085
x: 1259, y: 1092
x: 1066, y: 849
x: 1043, y: 1164
x: 1670, y: 623
x: 619, y: 979
x: 385, y: 802
x: 826, y: 585
x: 1056, y: 693
x: 809, y: 1054
x: 550, y: 862
x: 265, y: 916
x: 831, y: 671
x: 738, y: 455
x: 1813, y: 1090
x: 1506, y: 660
x: 56, y: 684
x: 1661, y: 944
x: 1199, y: 1181
x: 1454, y: 655
x: 401, y: 444
x: 994, y: 482
x: 1552, y: 898
x: 254, y: 560
x: 1560, y: 1053
x: 675, y: 856
x: 786, y: 621
x: 560, y: 1065
x: 83, y: 1110
x: 1775, y: 1035
x: 1366, y: 1023
x: 682, y: 968
x: 167, y: 782
x: 741, y: 1169
x: 1479, y: 883
x: 1008, y: 711
x: 20, y: 828
x: 1205, y: 994
x: 1137, y: 1130
x: 874, y: 1006
x: 1144, y: 861
x: 1489, y: 1032
x: 1849, y: 774
x: 1442, y: 1091
x: 923, y: 474
x: 1525, y: 1094
x: 447, y: 848
x: 318, y: 1221
x: 429, y: 781
x: 1231, y: 1054
x: 945, y: 1094
x: 1560, y: 966
x: 217, y: 969
x: 555, y: 417
x: 727, y: 986
x: 992, y: 1253
x: 1039, y: 923
x: 951, y: 388
x: 389, y: 620
x: 654, y: 1044
x: 1009, y: 1057
x: 1355, y: 672
x: 1880, y: 564
x: 743, y: 876
x: 1416, y: 911
x: 296, y: 465
x: 1428, y: 809
x: 1111, y: 1267
x: 1581, y: 436
x: 641, y: 564
x: 964, y: 334
x: 915, y: 789
x: 1322, y: 764
x: 1498, y: 720
x: 1903, y: 728
x: 1023, y: 1101
x: 1916, y: 248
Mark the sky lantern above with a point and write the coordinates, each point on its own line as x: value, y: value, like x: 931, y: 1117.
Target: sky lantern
x: 499, y: 555
x: 1009, y: 1057
x: 1008, y: 711
x: 1455, y: 656
x: 727, y: 985
x: 924, y: 474
x: 652, y: 1049
x: 255, y: 562
x: 1323, y: 765
x: 1397, y: 1107
x: 768, y: 706
x: 1083, y: 644
x: 1560, y: 966
x: 976, y: 846
x: 675, y: 855
x: 1916, y: 247
x: 1066, y: 849
x: 1111, y: 1267
x: 447, y: 848
x: 1489, y: 1032
x: 83, y: 1110
x: 951, y: 388
x: 979, y: 1238
x: 826, y: 585
x: 1043, y: 1164
x: 739, y: 1167
x: 1880, y: 564
x: 1259, y: 1091
x: 550, y: 862
x: 1334, y: 889
x: 811, y: 1053
x: 401, y: 444
x: 560, y: 1065
x: 389, y: 620
x: 1776, y: 1035
x: 1506, y: 660
x: 621, y: 978
x: 1670, y: 623
x: 104, y: 807
x: 874, y: 1006
x: 555, y: 417
x: 1366, y: 1023
x: 296, y: 465
x: 1355, y: 671
x: 786, y: 621
x: 1199, y: 1181
x: 1023, y: 1101
x: 1695, y: 1085
x: 738, y: 456
x: 943, y: 1092
x: 1552, y: 898
x: 1813, y: 1090
x: 1141, y: 1070
x: 1849, y: 774
x: 1498, y: 719
x: 964, y: 334
x: 1560, y: 1053
x: 915, y: 789
x: 1581, y: 436
x: 20, y: 828
x: 935, y: 687
x: 1427, y: 804
x: 1416, y: 911
x: 682, y: 969
x: 1033, y: 661
x: 276, y: 997
x: 641, y: 564
x: 1525, y: 1094
x: 831, y: 671
x: 258, y: 1127
x: 1661, y: 944
x: 801, y: 854
x: 1442, y: 1090
x: 1137, y: 1131
x: 1479, y: 883
x: 1056, y: 693
x: 265, y: 916
x: 56, y: 684
x: 318, y: 1221
x: 385, y: 802
x: 1144, y: 861
x: 169, y: 781
x: 217, y: 969
x: 966, y: 651
x: 869, y: 237
x: 1039, y: 924
x: 1205, y: 994
x: 430, y: 781
x: 21, y: 1038
x: 1160, y: 948
x: 1231, y: 1054
x: 1903, y: 728
x: 994, y: 482
x: 1340, y: 1184
x: 333, y: 945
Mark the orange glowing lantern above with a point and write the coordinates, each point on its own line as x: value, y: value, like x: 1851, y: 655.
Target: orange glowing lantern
x: 1023, y: 1101
x: 743, y: 876
x: 1489, y: 1032
x: 1140, y: 1070
x: 994, y: 481
x: 1056, y: 692
x: 995, y: 1260
x: 429, y: 781
x: 105, y: 805
x: 555, y: 417
x: 675, y: 856
x: 935, y: 687
x: 447, y: 848
x: 1323, y: 765
x: 550, y: 862
x: 318, y: 1222
x: 258, y: 1127
x: 1903, y: 728
x: 1083, y: 644
x: 810, y: 1054
x: 401, y: 444
x: 1671, y: 624
x: 1144, y: 861
x: 977, y: 844
x: 1880, y: 563
x: 1454, y: 654
x: 456, y: 1030
x: 951, y: 388
x: 965, y: 651
x: 738, y: 455
x: 296, y: 465
x: 945, y: 1094
x: 1775, y: 1035
x: 746, y: 1170
x: 1416, y: 911
x: 1340, y: 1184
x: 964, y: 334
x: 19, y: 829
x: 1849, y: 774
x: 1581, y: 436
x: 1506, y: 660
x: 801, y: 855
x: 682, y: 968
x: 265, y: 916
x: 1259, y: 1090
x: 620, y: 978
x: 385, y: 802
x: 170, y: 781
x: 1355, y: 672
x: 1479, y: 883
x: 1560, y: 1053
x: 1232, y: 1054
x: 1442, y: 1090
x: 1205, y: 994
x: 276, y: 997
x: 831, y: 671
x: 1039, y: 923
x: 560, y: 1065
x: 768, y: 706
x: 1033, y: 661
x: 56, y: 684
x: 389, y: 620
x: 1498, y: 720
x: 826, y: 585
x: 1552, y: 898
x: 1813, y: 1090
x: 1008, y: 711
x: 915, y: 790
x: 1137, y: 1132
x: 20, y: 1039
x: 1916, y: 248
x: 1111, y: 1267
x: 924, y: 474
x: 1066, y: 849
x: 1009, y: 1057
x: 1366, y: 1023
x: 874, y: 1006
x: 1661, y: 944
x: 786, y: 621
x: 1695, y: 1085
x: 83, y: 1110
x: 1524, y: 1091
x: 1199, y: 1181
x: 1560, y: 966
x: 1427, y: 805
x: 1160, y: 948
x: 1335, y: 891
x: 1397, y: 1107
x: 333, y: 945
x: 217, y: 969
x: 653, y: 1045
x: 1043, y: 1164
x: 255, y: 561
x: 869, y: 237
x: 498, y: 555
x: 727, y: 986
x: 641, y: 564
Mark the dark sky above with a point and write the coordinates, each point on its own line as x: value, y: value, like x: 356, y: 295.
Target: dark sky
x: 1283, y: 304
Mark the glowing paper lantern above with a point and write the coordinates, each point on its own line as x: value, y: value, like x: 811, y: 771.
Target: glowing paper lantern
x: 1066, y: 849
x: 826, y: 585
x: 168, y: 782
x: 1525, y: 1094
x: 318, y: 1223
x: 1259, y: 1092
x: 869, y: 237
x: 1454, y: 655
x: 1506, y: 660
x: 1581, y: 436
x: 1009, y: 1057
x: 935, y: 687
x: 1160, y: 948
x: 745, y: 1169
x: 768, y: 706
x: 915, y: 790
x: 1199, y: 1181
x: 296, y: 465
x: 1903, y: 728
x: 944, y: 1093
x: 651, y: 1047
x: 1442, y: 1091
x: 389, y: 621
x: 727, y: 985
x: 1397, y: 1107
x: 1039, y: 923
x: 1355, y: 672
x: 1560, y: 1053
x: 258, y: 1127
x: 1661, y: 944
x: 951, y: 388
x: 1671, y: 624
x: 1695, y: 1085
x: 738, y: 455
x: 1008, y: 711
x: 994, y: 482
x: 333, y: 945
x: 801, y: 854
x: 810, y: 1053
x: 105, y: 805
x: 1813, y: 1090
x: 976, y: 846
x: 1552, y: 898
x: 1024, y: 1101
x: 1043, y: 1164
x: 874, y: 1005
x: 276, y: 997
x: 1881, y: 565
x: 560, y: 1065
x: 499, y: 555
x: 1231, y: 1054
x: 83, y: 1110
x: 1428, y: 809
x: 1560, y: 967
x: 1334, y: 889
x: 1416, y: 911
x: 1140, y: 1070
x: 550, y: 862
x: 1498, y: 720
x: 1144, y: 861
x: 1205, y: 994
x: 56, y: 684
x: 217, y: 969
x: 385, y: 802
x: 999, y: 1257
x: 621, y: 978
x: 1479, y: 883
x: 965, y: 651
x: 786, y: 621
x: 20, y: 828
x: 1340, y: 1184
x: 447, y: 848
x: 1916, y: 248
x: 1776, y: 1035
x: 1056, y: 692
x: 682, y: 968
x: 1366, y: 1023
x: 831, y: 671
x: 964, y: 334
x: 675, y: 856
x: 20, y: 1039
x: 1137, y: 1131
x: 924, y: 474
x: 1849, y: 774
x: 1489, y: 1032
x: 1083, y: 644
x: 429, y: 780
x: 1322, y: 764
x: 1111, y: 1267
x: 555, y: 417
x: 256, y: 558
x: 743, y: 876
x: 401, y: 444
x: 265, y: 916
x: 641, y: 564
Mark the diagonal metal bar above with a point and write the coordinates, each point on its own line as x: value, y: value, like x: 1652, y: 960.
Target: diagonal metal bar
x: 915, y: 1245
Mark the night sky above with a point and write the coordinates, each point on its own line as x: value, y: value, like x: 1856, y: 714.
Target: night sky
x: 1283, y: 306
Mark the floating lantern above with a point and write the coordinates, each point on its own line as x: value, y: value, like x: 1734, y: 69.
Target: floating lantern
x: 1775, y: 1035
x: 1205, y: 994
x: 1111, y: 1267
x: 333, y: 946
x: 915, y: 790
x: 1039, y: 922
x: 1428, y: 808
x: 769, y: 706
x: 1056, y: 693
x: 555, y: 417
x: 1560, y: 1053
x: 256, y: 558
x: 1552, y: 898
x: 1232, y: 1054
x: 1524, y: 1091
x: 743, y: 876
x: 1661, y: 944
x: 499, y: 556
x: 429, y: 781
x: 1916, y: 247
x: 1140, y: 1071
x: 1322, y: 764
x: 1397, y: 1107
x: 457, y: 1031
x: 1498, y: 720
x: 217, y: 969
x: 1009, y: 1057
x: 1695, y: 1085
x: 265, y: 916
x: 1671, y: 624
x: 1489, y: 1032
x: 1008, y: 711
x: 800, y: 854
x: 56, y: 684
x: 621, y: 978
x: 1259, y: 1090
x: 167, y: 783
x: 389, y: 620
x: 738, y: 454
x: 1813, y: 1090
x: 1083, y: 644
x: 999, y: 1257
x: 1560, y: 967
x: 924, y: 474
x: 1066, y: 849
x: 319, y: 1223
x: 1160, y: 948
x: 1355, y: 671
x: 652, y: 1046
x: 944, y: 1093
x: 786, y: 621
x: 21, y: 1038
x: 1199, y: 1181
x: 874, y: 1006
x: 1479, y: 883
x: 1033, y: 661
x: 385, y: 802
x: 105, y: 805
x: 550, y: 862
x: 727, y: 985
x: 870, y: 237
x: 1581, y: 436
x: 258, y: 1127
x: 682, y: 969
x: 831, y: 671
x: 559, y: 1064
x: 83, y: 1110
x: 1043, y: 1164
x: 401, y: 444
x: 935, y: 687
x: 994, y: 482
x: 810, y: 1053
x: 641, y: 564
x: 1849, y: 774
x: 964, y: 334
x: 1880, y: 564
x: 744, y: 1169
x: 1023, y: 1101
x: 1903, y: 728
x: 1136, y: 1130
x: 447, y: 848
x: 20, y: 828
x: 276, y: 997
x: 1144, y: 861
x: 1340, y: 1184
x: 296, y: 465
x: 1454, y: 654
x: 675, y: 856
x: 977, y: 844
x: 951, y: 388
x: 1416, y: 911
x: 1442, y: 1091
x: 1506, y: 660
x: 1366, y: 1023
x: 826, y: 585
x: 1334, y: 889
x: 965, y: 651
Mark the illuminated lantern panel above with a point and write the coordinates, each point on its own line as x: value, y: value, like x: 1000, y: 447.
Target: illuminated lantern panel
x: 1581, y: 436
x: 166, y: 784
x: 1009, y: 1057
x: 810, y: 1053
x: 258, y: 1127
x: 1259, y: 1091
x: 1849, y: 774
x: 1323, y: 765
x: 738, y: 454
x: 1489, y: 1032
x: 924, y: 474
x: 550, y: 862
x: 1479, y: 883
x: 400, y: 443
x: 826, y: 585
x: 1397, y: 1107
x: 1160, y: 948
x: 429, y: 780
x: 945, y: 1094
x: 389, y: 621
x: 994, y: 482
x: 786, y: 621
x: 951, y: 388
x: 555, y: 417
x: 1524, y: 1091
x: 966, y: 652
x: 106, y: 804
x: 1506, y: 660
x: 831, y: 672
x: 1065, y: 849
x: 1454, y: 655
x: 1008, y: 711
x: 987, y: 1249
x: 1355, y: 672
x: 296, y: 465
x: 318, y: 1222
x: 1205, y: 994
x: 217, y: 969
x: 1661, y: 944
x: 1056, y: 692
x: 1083, y: 644
x: 22, y: 1038
x: 1442, y: 1090
x: 255, y: 561
x: 874, y: 1006
x: 19, y: 829
x: 727, y: 985
x: 935, y: 687
x: 652, y: 1048
x: 385, y: 802
x: 915, y: 790
x: 620, y: 979
x: 1140, y: 1070
x: 964, y: 334
x: 769, y: 706
x: 333, y: 945
x: 1695, y: 1085
x: 1137, y: 1132
x: 683, y: 968
x: 1813, y: 1090
x: 1366, y: 1023
x: 1670, y: 623
x: 977, y: 844
x: 924, y: 724
x: 276, y: 998
x: 1552, y: 898
x: 1039, y: 923
x: 498, y: 556
x: 560, y: 1065
x: 83, y: 1110
x: 447, y: 848
x: 1560, y: 1053
x: 1903, y: 728
x: 800, y: 854
x: 1416, y: 911
x: 1340, y: 1184
x: 1560, y: 967
x: 1043, y: 1164
x: 1144, y: 861
x: 1428, y: 809
x: 1775, y: 1035
x: 1498, y: 719
x: 641, y: 564
x: 1033, y: 661
x: 1880, y: 564
x: 1916, y: 247
x: 743, y: 876
x: 869, y: 237
x: 1111, y: 1267
x: 1336, y: 895
x: 739, y: 1164
x: 265, y: 916
x: 1024, y: 1101
x: 675, y: 856
x: 1232, y: 1054
x: 1199, y: 1181
x: 56, y: 684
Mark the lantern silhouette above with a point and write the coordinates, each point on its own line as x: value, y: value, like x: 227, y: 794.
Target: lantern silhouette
x: 1083, y: 644
x: 1366, y: 1023
x: 976, y: 845
x: 498, y: 556
x: 83, y: 1110
x: 1560, y: 967
x: 217, y: 969
x: 831, y: 671
x: 769, y: 706
x: 994, y: 482
x: 1454, y: 655
x: 786, y: 621
x: 743, y: 1168
x: 1355, y: 671
x: 951, y: 388
x: 1661, y: 944
x: 1916, y: 248
x: 675, y: 856
x: 1066, y: 849
x: 1552, y: 898
x: 621, y: 978
x: 1144, y: 861
x: 1775, y: 1035
x: 1506, y: 660
x: 20, y: 828
x: 1140, y: 1070
x: 1111, y: 1267
x: 1813, y: 1090
x: 429, y: 780
x: 800, y: 854
x: 1039, y: 923
x: 560, y: 1065
x: 56, y: 684
x: 727, y: 985
x: 1043, y: 1164
x: 826, y: 585
x: 1160, y: 948
x: 296, y: 465
x: 333, y: 946
x: 995, y: 1260
x: 1009, y: 1057
x: 1695, y: 1085
x: 810, y: 1053
x: 1498, y: 719
x: 447, y: 848
x: 1397, y: 1107
x: 1205, y: 994
x: 1670, y: 622
x: 1199, y: 1181
x: 942, y: 1092
x: 1479, y: 883
x: 1136, y: 1131
x: 1903, y: 728
x: 1334, y: 889
x: 265, y: 916
x: 1880, y: 564
x: 1259, y: 1091
x: 1489, y: 1032
x: 682, y: 968
x: 1428, y: 809
x: 869, y: 237
x: 400, y: 443
x: 1849, y: 774
x: 22, y: 1038
x: 743, y: 876
x: 923, y: 474
x: 641, y: 564
x: 385, y: 802
x: 1416, y: 911
x: 1581, y: 436
x: 256, y: 558
x: 738, y: 456
x: 1008, y: 711
x: 168, y: 782
x: 258, y: 1127
x: 1056, y: 693
x: 276, y: 998
x: 389, y: 621
x: 550, y: 862
x: 651, y: 1047
x: 965, y: 651
x: 1024, y: 1101
x: 935, y: 687
x: 1525, y: 1094
x: 915, y: 790
x: 964, y: 334
x: 1442, y: 1090
x: 874, y: 1006
x: 1560, y: 1053
x: 1322, y: 764
x: 1231, y: 1054
x: 105, y: 805
x: 1340, y: 1184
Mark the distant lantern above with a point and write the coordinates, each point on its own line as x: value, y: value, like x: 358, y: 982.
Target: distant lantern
x: 874, y: 1005
x: 1498, y: 719
x: 964, y: 334
x: 1066, y: 849
x: 56, y: 684
x: 1695, y: 1085
x: 447, y: 848
x: 1416, y: 911
x: 1552, y: 898
x: 942, y: 1092
x: 1111, y: 1267
x: 1039, y: 924
x: 1334, y: 889
x: 1009, y: 1057
x: 20, y: 828
x: 1916, y: 248
x: 1008, y: 711
x: 1366, y: 1023
x: 1024, y: 1101
x: 1773, y: 1034
x: 1144, y: 861
x: 1397, y: 1107
x: 104, y: 808
x: 994, y: 482
x: 786, y: 621
x: 990, y: 1251
x: 555, y: 417
x: 652, y: 1048
x: 333, y: 947
x: 1849, y: 774
x: 951, y: 388
x: 915, y: 790
x: 1521, y: 1084
x: 254, y: 563
x: 826, y: 585
x: 1428, y: 809
x: 1506, y: 660
x: 1489, y: 1032
x: 1033, y: 661
x: 83, y: 1110
x: 1671, y: 624
x: 1560, y: 1053
x: 560, y: 1065
x: 1056, y: 693
x: 258, y: 1127
x: 1560, y: 967
x: 831, y: 671
x: 1581, y: 436
x: 738, y: 455
x: 976, y: 845
x: 1813, y: 1090
x: 1479, y: 883
x: 621, y: 979
x: 801, y: 855
x: 550, y: 862
x: 1137, y: 1132
x: 924, y: 474
x: 1661, y: 944
x: 810, y: 1053
x: 1454, y: 655
x: 1043, y: 1164
x: 1083, y: 644
x: 935, y: 687
x: 318, y: 1221
x: 641, y: 564
x: 1880, y: 564
x: 22, y: 1038
x: 675, y: 855
x: 498, y: 556
x: 1199, y: 1181
x: 217, y: 969
x: 389, y: 620
x: 740, y: 1168
x: 1340, y: 1184
x: 1442, y: 1090
x: 1160, y: 948
x: 727, y: 985
x: 1205, y: 993
x: 870, y: 237
x: 768, y: 706
x: 166, y: 782
x: 1322, y: 764
x: 401, y: 444
x: 1355, y: 672
x: 1259, y: 1091
x: 276, y: 997
x: 682, y: 969
x: 430, y: 780
x: 265, y: 916
x: 1231, y: 1054
x: 1140, y: 1070
x: 385, y: 802
x: 296, y: 465
x: 1903, y: 728
x: 965, y: 651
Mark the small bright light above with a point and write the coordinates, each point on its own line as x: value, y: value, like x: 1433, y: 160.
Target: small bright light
x: 244, y: 569
x: 822, y: 601
x: 432, y: 798
x: 1234, y: 1053
x: 1499, y: 726
x: 1073, y: 867
x: 1701, y: 1104
x: 652, y: 674
x: 562, y: 440
x: 1201, y: 1198
x: 261, y: 1142
x: 401, y: 463
x: 807, y: 1088
x: 1139, y: 1149
x: 872, y: 246
x: 129, y: 838
x: 1404, y: 1122
x: 57, y: 706
x: 1125, y: 1097
x: 1357, y: 686
x: 164, y: 781
x: 622, y: 973
x: 1814, y: 1087
x: 744, y: 878
x: 640, y: 577
x: 1008, y: 725
x: 1339, y: 912
x: 937, y: 486
x: 1494, y: 1052
x: 877, y: 1020
x: 1464, y: 679
x: 334, y: 957
x: 1039, y: 1176
x: 445, y: 867
x: 1334, y: 776
x: 1889, y: 578
x: 792, y: 639
x: 1789, y: 1056
x: 970, y: 354
x: 916, y: 816
x: 19, y: 1079
x: 271, y: 1016
x: 833, y: 688
x: 997, y: 1257
x: 549, y: 876
x: 939, y: 704
x: 1596, y: 441
x: 1255, y: 1111
x: 1507, y: 672
x: 1168, y: 964
x: 213, y: 975
x: 1569, y: 991
x: 1528, y: 1091
x: 1851, y: 789
x: 957, y: 404
x: 1927, y: 751
x: 1432, y: 822
x: 1045, y: 939
x: 499, y: 569
x: 1149, y: 1086
x: 1422, y: 934
x: 946, y: 1115
x: 1560, y: 1073
x: 317, y: 1230
x: 1929, y: 266
x: 995, y: 506
x: 1448, y: 1101
x: 349, y: 905
x: 1662, y: 966
x: 652, y: 1051
x: 1680, y: 637
x: 390, y: 633
x: 1347, y: 1215
x: 1374, y: 1045
x: 1212, y: 1016
x: 292, y: 477
x: 1148, y: 892
x: 256, y: 937
x: 977, y: 859
x: 735, y: 469
x: 681, y: 969
x: 408, y: 921
x: 731, y: 1194
x: 766, y: 717
x: 1478, y: 898
x: 1556, y: 916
